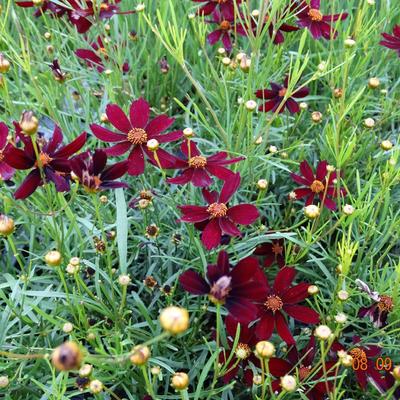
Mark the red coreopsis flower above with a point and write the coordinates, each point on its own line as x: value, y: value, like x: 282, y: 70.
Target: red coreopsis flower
x: 58, y: 74
x: 275, y: 30
x: 243, y: 352
x: 276, y: 97
x: 301, y: 365
x: 319, y: 25
x: 218, y: 217
x: 92, y: 171
x: 234, y: 287
x: 134, y: 133
x: 365, y: 356
x: 392, y: 41
x: 53, y: 164
x: 379, y: 310
x: 197, y: 168
x: 55, y: 9
x: 273, y: 252
x: 280, y: 299
x: 226, y: 28
x: 226, y: 7
x: 322, y: 184
x: 6, y: 172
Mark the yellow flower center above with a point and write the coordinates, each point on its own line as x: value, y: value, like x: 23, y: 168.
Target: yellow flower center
x: 282, y: 92
x: 1, y: 156
x: 137, y: 136
x: 304, y: 372
x: 358, y: 353
x: 44, y: 160
x: 315, y: 15
x: 217, y: 210
x: 385, y: 303
x: 225, y: 25
x: 273, y: 303
x: 317, y: 186
x: 197, y: 162
x: 242, y: 351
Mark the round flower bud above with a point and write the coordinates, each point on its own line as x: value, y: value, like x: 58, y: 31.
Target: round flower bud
x: 226, y: 61
x: 96, y: 386
x: 108, y: 72
x: 4, y: 64
x: 262, y: 184
x: 284, y: 155
x: 103, y: 199
x: 72, y: 269
x: 221, y: 51
x: 153, y: 144
x: 348, y: 209
x: 124, y: 280
x: 255, y: 13
x: 303, y: 106
x: 349, y: 43
x: 91, y: 336
x: 7, y: 225
x: 396, y: 372
x: 4, y: 381
x: 140, y: 7
x: 340, y: 318
x: 272, y: 149
x: 386, y: 145
x: 374, y: 83
x: 250, y: 105
x: 323, y: 332
x: 369, y: 122
x: 50, y: 49
x: 343, y: 295
x: 292, y: 196
x: 67, y: 357
x: 259, y: 140
x: 257, y: 380
x: 68, y: 327
x: 239, y: 56
x: 75, y: 261
x: 313, y: 290
x: 312, y: 211
x: 322, y: 66
x: 29, y: 123
x: 53, y: 258
x: 104, y: 118
x: 191, y: 16
x: 338, y: 93
x: 140, y: 355
x: 346, y: 360
x: 245, y: 64
x: 288, y: 383
x: 143, y: 203
x: 265, y: 349
x: 316, y: 117
x: 47, y: 35
x: 174, y: 319
x: 371, y: 2
x: 188, y: 132
x: 180, y: 381
x: 155, y: 371
x: 384, y: 91
x: 86, y: 370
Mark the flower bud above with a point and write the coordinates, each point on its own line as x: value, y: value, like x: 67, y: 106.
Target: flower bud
x: 313, y: 290
x: 340, y: 318
x: 369, y: 122
x: 221, y: 51
x: 7, y: 225
x: 374, y: 83
x: 255, y: 13
x: 4, y: 64
x: 316, y: 117
x: 180, y: 381
x: 348, y: 209
x: 343, y: 295
x: 303, y: 106
x: 155, y: 371
x: 47, y: 35
x: 273, y: 149
x: 188, y: 133
x: 29, y: 123
x: 323, y: 332
x: 174, y: 320
x: 386, y: 145
x: 349, y: 43
x: 124, y: 280
x: 72, y: 269
x: 226, y: 61
x: 140, y: 7
x: 250, y: 105
x: 312, y: 211
x: 67, y: 357
x: 96, y: 386
x: 4, y: 381
x: 337, y: 93
x: 75, y: 261
x: 396, y: 372
x: 257, y: 380
x: 53, y: 258
x: 346, y: 360
x: 68, y: 327
x: 153, y: 144
x: 288, y: 383
x: 262, y: 184
x: 140, y: 355
x: 265, y: 349
x: 322, y: 66
x: 86, y: 370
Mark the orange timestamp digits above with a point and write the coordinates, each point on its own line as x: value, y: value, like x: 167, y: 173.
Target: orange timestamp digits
x: 381, y: 363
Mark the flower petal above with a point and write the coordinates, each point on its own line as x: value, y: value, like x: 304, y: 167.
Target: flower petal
x: 70, y: 149
x: 139, y: 113
x: 229, y: 188
x: 106, y: 135
x: 265, y: 326
x: 29, y: 185
x: 194, y: 214
x: 284, y: 279
x: 136, y: 161
x: 302, y: 313
x: 283, y: 329
x: 117, y: 118
x: 211, y: 235
x: 244, y: 214
x: 159, y: 124
x: 193, y: 283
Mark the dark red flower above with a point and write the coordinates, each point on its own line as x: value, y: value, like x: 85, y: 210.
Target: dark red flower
x: 92, y: 57
x: 134, y: 133
x: 59, y: 75
x: 276, y: 97
x: 197, y: 168
x: 243, y: 352
x: 379, y: 310
x: 364, y: 354
x: 55, y: 9
x: 234, y: 287
x: 275, y: 29
x: 93, y: 173
x: 392, y: 41
x: 218, y: 217
x: 319, y: 25
x: 280, y: 299
x: 273, y: 252
x: 226, y: 7
x: 6, y: 172
x: 301, y: 365
x: 54, y: 161
x: 226, y: 27
x: 321, y: 184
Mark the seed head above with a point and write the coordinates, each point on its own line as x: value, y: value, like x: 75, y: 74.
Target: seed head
x: 96, y: 386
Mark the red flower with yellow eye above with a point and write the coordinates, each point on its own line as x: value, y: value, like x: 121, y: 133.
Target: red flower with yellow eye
x: 226, y: 7
x: 218, y: 217
x: 6, y: 171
